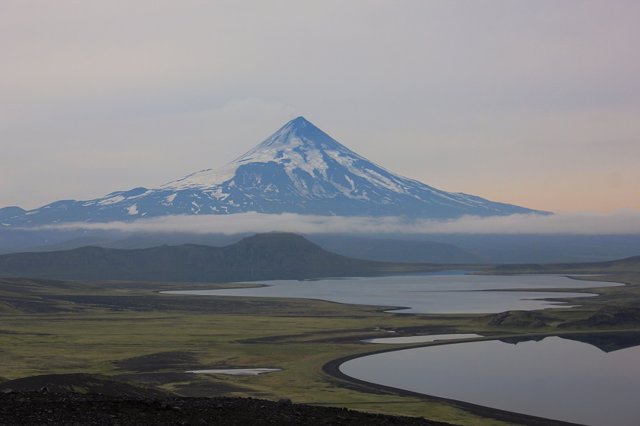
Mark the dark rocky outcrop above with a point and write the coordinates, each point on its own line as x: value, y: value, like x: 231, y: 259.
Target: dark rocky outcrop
x: 608, y: 316
x: 520, y: 319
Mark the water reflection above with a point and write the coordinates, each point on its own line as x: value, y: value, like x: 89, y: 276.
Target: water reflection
x: 606, y: 342
x: 594, y: 383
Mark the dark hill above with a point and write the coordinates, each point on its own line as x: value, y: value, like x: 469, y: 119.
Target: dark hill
x: 79, y: 383
x: 260, y: 257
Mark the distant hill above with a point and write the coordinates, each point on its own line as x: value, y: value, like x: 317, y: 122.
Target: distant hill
x: 394, y: 250
x: 11, y: 211
x: 260, y: 257
x: 430, y: 248
x: 544, y: 248
x: 369, y: 248
x: 80, y: 383
x: 628, y: 265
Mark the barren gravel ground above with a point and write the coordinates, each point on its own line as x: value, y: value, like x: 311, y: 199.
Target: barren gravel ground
x: 45, y: 408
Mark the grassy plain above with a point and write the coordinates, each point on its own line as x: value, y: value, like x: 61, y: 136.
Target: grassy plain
x: 129, y: 331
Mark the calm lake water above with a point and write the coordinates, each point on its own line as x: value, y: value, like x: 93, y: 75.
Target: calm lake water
x: 449, y: 293
x: 554, y: 378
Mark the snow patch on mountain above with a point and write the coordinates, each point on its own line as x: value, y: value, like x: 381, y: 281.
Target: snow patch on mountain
x: 170, y: 198
x: 111, y: 200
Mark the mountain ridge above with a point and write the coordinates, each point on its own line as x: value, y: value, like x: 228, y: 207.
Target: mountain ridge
x: 298, y: 169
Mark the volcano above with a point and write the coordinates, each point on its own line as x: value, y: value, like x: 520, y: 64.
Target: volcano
x: 299, y: 169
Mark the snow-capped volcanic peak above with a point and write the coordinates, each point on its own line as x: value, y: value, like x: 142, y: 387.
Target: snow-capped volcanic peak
x: 298, y: 145
x: 298, y: 169
x: 300, y: 149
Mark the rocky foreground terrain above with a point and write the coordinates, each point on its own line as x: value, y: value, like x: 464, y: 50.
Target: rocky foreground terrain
x: 47, y: 408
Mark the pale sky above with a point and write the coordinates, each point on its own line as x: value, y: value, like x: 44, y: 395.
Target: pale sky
x: 535, y: 103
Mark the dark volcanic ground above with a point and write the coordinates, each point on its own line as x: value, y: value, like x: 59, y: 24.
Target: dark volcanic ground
x: 45, y: 408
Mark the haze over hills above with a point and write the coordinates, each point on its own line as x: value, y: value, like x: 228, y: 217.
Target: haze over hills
x: 618, y: 266
x: 299, y: 169
x: 421, y: 248
x: 260, y: 257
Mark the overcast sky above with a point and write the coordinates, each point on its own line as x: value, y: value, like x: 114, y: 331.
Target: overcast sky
x: 534, y: 103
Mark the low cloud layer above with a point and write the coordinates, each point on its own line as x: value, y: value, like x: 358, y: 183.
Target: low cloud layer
x: 622, y: 222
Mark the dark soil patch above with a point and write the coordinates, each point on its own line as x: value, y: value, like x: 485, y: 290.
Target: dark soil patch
x: 159, y: 361
x: 167, y: 303
x: 205, y: 389
x: 155, y: 378
x: 185, y: 384
x: 34, y: 305
x: 157, y: 303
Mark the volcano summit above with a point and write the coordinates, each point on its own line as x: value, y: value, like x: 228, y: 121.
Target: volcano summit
x: 299, y: 169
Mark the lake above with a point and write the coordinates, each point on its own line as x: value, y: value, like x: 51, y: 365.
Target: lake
x: 554, y: 378
x: 427, y: 293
